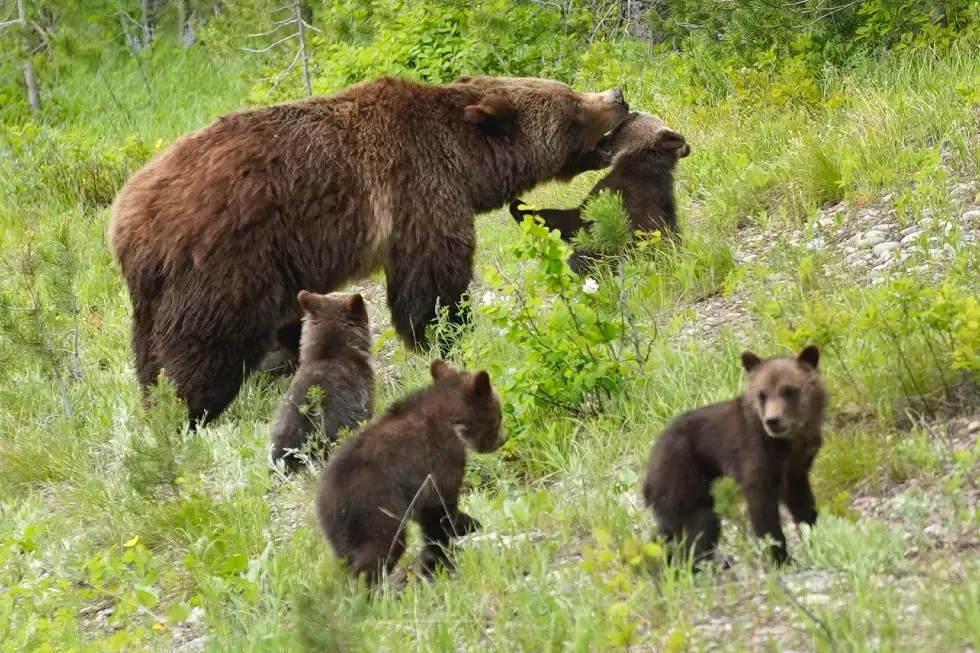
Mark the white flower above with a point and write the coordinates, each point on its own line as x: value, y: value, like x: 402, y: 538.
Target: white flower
x: 590, y: 287
x: 488, y: 298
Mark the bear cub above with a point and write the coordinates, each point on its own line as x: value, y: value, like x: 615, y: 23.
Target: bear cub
x: 335, y: 351
x: 408, y: 464
x: 766, y: 438
x: 644, y: 154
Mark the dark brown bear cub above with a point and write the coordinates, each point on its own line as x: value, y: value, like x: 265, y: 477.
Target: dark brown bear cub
x: 766, y: 439
x: 408, y: 464
x: 645, y: 152
x: 335, y: 350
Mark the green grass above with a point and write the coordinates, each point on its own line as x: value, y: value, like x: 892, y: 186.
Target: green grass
x: 116, y: 508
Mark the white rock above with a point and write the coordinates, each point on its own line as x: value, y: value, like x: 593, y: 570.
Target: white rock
x: 971, y: 216
x: 973, y: 427
x: 886, y: 226
x: 934, y: 530
x: 911, y: 237
x: 870, y: 238
x: 881, y: 248
x: 816, y: 243
x: 196, y: 644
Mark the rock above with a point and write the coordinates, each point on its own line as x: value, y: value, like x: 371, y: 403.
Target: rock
x: 973, y: 427
x: 964, y: 192
x: 934, y: 530
x: 886, y: 226
x: 911, y: 236
x: 881, y: 248
x: 816, y: 243
x: 971, y: 216
x: 196, y: 644
x: 870, y: 238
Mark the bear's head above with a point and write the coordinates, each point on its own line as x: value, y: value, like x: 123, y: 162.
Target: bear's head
x: 642, y: 131
x: 332, y: 322
x: 561, y: 123
x: 480, y: 422
x: 785, y: 392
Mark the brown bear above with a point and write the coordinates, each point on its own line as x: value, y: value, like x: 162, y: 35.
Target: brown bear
x: 644, y: 154
x: 408, y: 464
x: 766, y: 438
x: 216, y: 235
x: 335, y: 356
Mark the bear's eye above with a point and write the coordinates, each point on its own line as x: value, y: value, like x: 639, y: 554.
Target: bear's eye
x: 762, y: 397
x: 789, y: 392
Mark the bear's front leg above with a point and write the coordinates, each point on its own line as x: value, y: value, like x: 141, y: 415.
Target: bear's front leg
x: 431, y: 266
x: 763, y: 503
x: 798, y: 497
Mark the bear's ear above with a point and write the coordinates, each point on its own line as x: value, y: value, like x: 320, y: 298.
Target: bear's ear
x: 750, y: 361
x: 355, y: 304
x: 440, y: 369
x: 668, y: 139
x: 493, y: 115
x: 479, y: 384
x: 310, y: 302
x: 810, y: 355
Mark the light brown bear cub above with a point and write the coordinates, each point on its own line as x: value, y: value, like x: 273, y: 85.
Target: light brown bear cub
x: 335, y: 350
x: 408, y: 464
x: 766, y: 438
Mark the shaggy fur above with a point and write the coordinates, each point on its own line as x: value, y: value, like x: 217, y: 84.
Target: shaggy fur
x: 408, y: 464
x: 217, y: 234
x: 335, y: 353
x: 767, y: 439
x: 644, y: 154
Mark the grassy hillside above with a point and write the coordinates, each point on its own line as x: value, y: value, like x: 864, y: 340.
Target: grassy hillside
x: 826, y: 200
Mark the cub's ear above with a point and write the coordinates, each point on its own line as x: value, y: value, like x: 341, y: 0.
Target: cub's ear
x: 494, y: 115
x: 810, y: 355
x: 310, y: 302
x: 355, y: 304
x: 479, y: 384
x: 750, y: 361
x: 668, y: 139
x: 440, y: 369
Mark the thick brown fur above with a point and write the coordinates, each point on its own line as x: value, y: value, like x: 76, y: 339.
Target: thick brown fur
x: 408, y: 464
x: 335, y: 355
x: 645, y: 152
x: 215, y: 236
x: 766, y: 438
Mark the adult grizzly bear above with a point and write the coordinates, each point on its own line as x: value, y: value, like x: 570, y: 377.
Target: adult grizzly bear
x: 217, y: 235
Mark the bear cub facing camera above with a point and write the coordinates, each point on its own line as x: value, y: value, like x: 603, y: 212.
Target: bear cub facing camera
x: 408, y: 465
x: 644, y: 152
x: 334, y: 356
x: 767, y: 439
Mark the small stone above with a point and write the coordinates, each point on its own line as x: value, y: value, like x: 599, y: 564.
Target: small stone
x: 817, y: 599
x: 196, y: 644
x: 911, y: 237
x: 973, y: 427
x: 934, y: 530
x: 963, y: 192
x: 870, y: 238
x: 971, y: 216
x: 196, y: 615
x: 886, y: 226
x: 887, y: 198
x: 881, y: 248
x: 816, y: 243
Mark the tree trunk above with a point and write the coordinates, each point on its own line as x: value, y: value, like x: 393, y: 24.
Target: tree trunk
x: 30, y: 77
x: 185, y: 33
x: 146, y: 22
x: 302, y: 49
